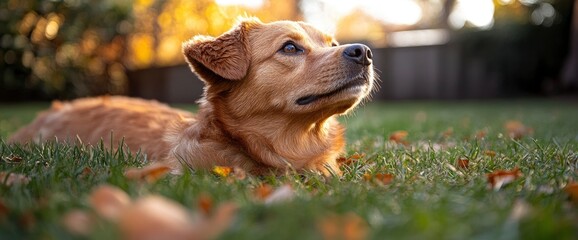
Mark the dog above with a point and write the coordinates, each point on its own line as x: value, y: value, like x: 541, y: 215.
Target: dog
x: 271, y: 97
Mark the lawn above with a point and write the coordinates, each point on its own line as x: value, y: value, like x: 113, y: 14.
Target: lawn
x: 413, y: 170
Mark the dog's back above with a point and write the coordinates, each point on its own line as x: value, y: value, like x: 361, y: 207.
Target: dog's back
x: 141, y: 124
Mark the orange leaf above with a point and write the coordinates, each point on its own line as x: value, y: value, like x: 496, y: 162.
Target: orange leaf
x: 490, y: 153
x: 448, y: 132
x: 150, y: 173
x: 384, y: 178
x: 481, y: 134
x: 205, y: 204
x: 348, y: 227
x: 399, y: 137
x: 463, y: 163
x: 78, y: 222
x: 499, y: 178
x: 222, y: 171
x: 350, y: 159
x: 572, y: 190
x: 516, y: 129
x: 10, y: 179
x: 263, y: 191
x: 109, y: 201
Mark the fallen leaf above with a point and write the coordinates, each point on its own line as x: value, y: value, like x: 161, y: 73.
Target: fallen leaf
x: 516, y: 129
x: 155, y: 217
x: 282, y: 194
x: 448, y: 132
x: 399, y: 137
x: 205, y: 204
x: 381, y: 178
x: 109, y: 201
x: 263, y: 191
x: 9, y: 179
x: 384, y: 178
x: 150, y: 173
x: 489, y: 153
x: 481, y: 134
x: 572, y: 190
x: 213, y: 226
x: 13, y: 159
x: 463, y: 163
x: 499, y: 178
x: 348, y: 227
x: 78, y: 222
x: 222, y: 171
x: 351, y: 159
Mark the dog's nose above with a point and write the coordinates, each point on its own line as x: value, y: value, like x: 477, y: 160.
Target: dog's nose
x: 358, y: 53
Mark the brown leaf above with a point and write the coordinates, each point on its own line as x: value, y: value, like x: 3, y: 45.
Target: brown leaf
x: 9, y: 179
x: 381, y: 178
x: 13, y: 159
x: 463, y: 163
x: 263, y: 191
x: 351, y: 159
x: 516, y: 129
x: 448, y: 132
x: 499, y: 178
x: 150, y: 173
x: 212, y: 227
x: 489, y: 153
x: 348, y: 227
x: 27, y: 220
x: 155, y: 217
x: 78, y: 222
x: 205, y: 204
x: 399, y: 137
x: 109, y: 201
x: 481, y: 134
x: 572, y: 190
x: 282, y: 194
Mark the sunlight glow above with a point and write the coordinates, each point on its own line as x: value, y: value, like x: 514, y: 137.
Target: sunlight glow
x: 325, y: 14
x: 479, y: 13
x: 246, y: 3
x: 425, y: 37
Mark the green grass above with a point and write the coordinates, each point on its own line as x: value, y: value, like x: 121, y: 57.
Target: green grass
x: 428, y: 198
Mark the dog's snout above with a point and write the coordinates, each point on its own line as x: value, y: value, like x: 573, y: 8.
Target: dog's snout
x: 359, y: 54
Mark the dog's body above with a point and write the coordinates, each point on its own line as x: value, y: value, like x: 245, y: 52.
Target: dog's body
x: 272, y: 93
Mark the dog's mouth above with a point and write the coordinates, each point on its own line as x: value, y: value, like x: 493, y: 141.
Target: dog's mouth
x: 349, y: 85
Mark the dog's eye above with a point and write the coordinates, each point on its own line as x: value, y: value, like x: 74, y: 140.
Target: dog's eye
x: 290, y: 47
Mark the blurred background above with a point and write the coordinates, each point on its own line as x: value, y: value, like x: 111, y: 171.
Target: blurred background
x: 424, y: 49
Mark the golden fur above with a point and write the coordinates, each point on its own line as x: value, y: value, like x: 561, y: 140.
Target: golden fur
x: 266, y: 107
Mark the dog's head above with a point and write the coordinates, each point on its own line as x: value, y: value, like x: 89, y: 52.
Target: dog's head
x: 282, y: 67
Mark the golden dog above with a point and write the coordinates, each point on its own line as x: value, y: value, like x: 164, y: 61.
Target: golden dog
x: 272, y: 92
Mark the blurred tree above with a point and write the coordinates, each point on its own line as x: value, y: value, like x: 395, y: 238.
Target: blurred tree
x: 161, y: 26
x: 62, y: 48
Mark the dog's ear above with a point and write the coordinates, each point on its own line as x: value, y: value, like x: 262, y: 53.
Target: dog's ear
x: 223, y: 58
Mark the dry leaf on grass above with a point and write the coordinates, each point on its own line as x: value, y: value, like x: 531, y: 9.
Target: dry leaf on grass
x: 263, y: 191
x: 205, y: 204
x: 399, y: 137
x: 282, y: 194
x: 109, y: 201
x: 499, y: 178
x: 13, y: 159
x: 481, y: 134
x: 348, y: 227
x: 572, y: 190
x: 155, y: 217
x: 78, y: 222
x: 516, y: 129
x: 351, y: 159
x: 463, y: 163
x: 150, y: 173
x: 489, y: 153
x: 9, y: 179
x: 380, y: 178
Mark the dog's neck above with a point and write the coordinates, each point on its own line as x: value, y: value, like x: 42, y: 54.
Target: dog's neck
x: 281, y: 141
